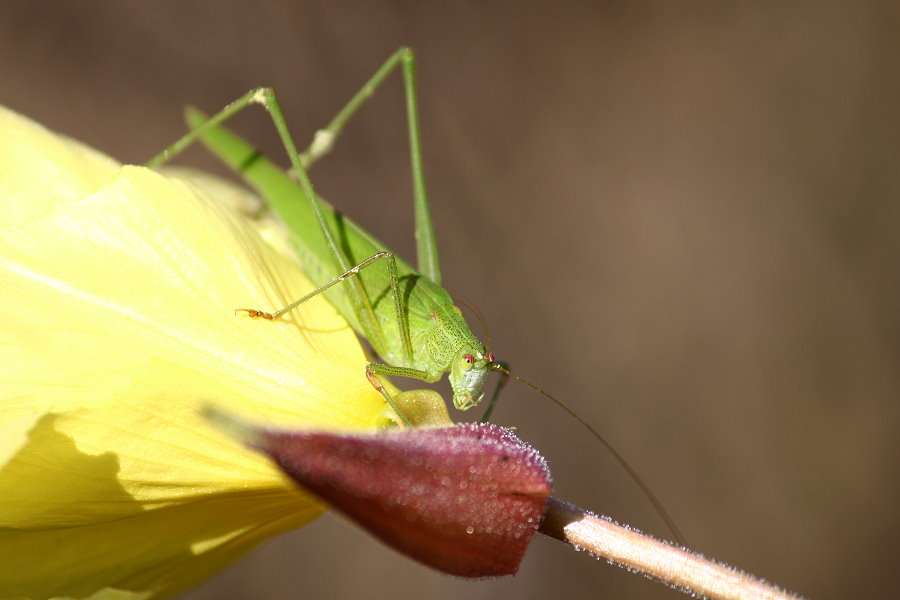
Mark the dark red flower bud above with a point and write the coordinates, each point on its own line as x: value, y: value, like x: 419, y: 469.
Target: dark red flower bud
x: 465, y: 499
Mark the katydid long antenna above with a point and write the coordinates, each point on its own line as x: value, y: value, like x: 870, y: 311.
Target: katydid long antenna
x: 505, y: 374
x: 503, y: 370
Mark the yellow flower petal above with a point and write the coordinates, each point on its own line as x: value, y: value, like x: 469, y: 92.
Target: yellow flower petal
x: 117, y: 295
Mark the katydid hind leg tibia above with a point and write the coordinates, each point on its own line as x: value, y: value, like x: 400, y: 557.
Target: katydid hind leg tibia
x: 409, y: 319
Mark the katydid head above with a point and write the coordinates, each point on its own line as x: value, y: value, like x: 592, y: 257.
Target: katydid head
x: 467, y: 373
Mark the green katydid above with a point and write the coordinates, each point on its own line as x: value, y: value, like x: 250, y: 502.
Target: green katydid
x: 409, y: 319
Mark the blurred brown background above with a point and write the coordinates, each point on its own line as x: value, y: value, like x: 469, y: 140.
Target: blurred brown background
x: 681, y: 218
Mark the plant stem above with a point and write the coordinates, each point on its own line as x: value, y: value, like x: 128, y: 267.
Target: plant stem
x: 626, y: 547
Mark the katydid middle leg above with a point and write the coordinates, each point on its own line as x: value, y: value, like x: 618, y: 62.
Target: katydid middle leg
x: 372, y: 369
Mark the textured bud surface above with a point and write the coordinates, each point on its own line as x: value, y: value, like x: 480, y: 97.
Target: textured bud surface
x: 465, y: 499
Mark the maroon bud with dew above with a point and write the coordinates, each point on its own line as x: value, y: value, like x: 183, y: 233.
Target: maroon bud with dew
x: 465, y: 499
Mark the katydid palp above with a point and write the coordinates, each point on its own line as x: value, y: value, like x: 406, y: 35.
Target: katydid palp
x: 409, y: 319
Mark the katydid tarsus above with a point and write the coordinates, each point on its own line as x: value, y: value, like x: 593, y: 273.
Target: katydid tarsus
x: 409, y: 319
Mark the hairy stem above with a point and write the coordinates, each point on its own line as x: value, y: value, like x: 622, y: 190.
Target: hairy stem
x: 677, y: 567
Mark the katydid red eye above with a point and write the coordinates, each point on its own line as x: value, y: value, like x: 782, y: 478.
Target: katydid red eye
x: 469, y: 359
x: 490, y: 357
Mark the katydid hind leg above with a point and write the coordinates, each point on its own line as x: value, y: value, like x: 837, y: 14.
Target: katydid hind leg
x: 428, y: 262
x: 266, y: 97
x: 425, y: 230
x: 427, y: 259
x: 326, y: 137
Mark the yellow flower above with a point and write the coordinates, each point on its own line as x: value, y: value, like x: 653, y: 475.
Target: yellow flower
x: 117, y: 294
